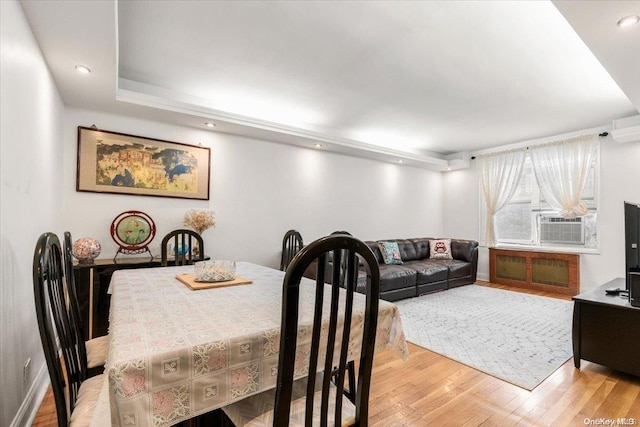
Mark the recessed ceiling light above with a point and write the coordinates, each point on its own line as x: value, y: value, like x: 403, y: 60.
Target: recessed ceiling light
x: 317, y: 145
x: 627, y: 21
x: 210, y: 125
x: 83, y: 69
x: 400, y: 161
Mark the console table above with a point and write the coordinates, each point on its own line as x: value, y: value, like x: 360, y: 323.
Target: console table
x: 92, y: 283
x: 605, y: 329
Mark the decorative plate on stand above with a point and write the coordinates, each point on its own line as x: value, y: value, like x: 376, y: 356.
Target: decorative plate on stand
x: 133, y: 231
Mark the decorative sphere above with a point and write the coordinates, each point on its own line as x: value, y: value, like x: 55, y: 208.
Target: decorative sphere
x: 183, y: 249
x: 86, y: 249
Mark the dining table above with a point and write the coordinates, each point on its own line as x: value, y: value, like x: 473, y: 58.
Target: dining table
x: 176, y: 353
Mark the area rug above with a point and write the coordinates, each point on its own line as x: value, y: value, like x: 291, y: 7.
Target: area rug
x: 519, y: 338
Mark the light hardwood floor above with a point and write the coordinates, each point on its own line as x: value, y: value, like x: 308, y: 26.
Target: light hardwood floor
x: 429, y: 389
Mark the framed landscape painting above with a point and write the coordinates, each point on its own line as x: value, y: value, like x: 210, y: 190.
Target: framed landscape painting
x: 112, y: 162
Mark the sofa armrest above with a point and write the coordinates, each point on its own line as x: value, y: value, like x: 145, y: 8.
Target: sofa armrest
x: 466, y: 250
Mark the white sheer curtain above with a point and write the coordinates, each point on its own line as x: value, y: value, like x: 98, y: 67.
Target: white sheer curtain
x: 561, y: 171
x: 499, y: 177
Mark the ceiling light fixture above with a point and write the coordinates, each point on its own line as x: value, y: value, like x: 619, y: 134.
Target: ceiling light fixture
x: 83, y: 69
x: 210, y: 125
x: 317, y: 145
x: 400, y: 161
x: 628, y: 21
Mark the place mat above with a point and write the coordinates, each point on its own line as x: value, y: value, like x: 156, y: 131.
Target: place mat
x: 189, y: 279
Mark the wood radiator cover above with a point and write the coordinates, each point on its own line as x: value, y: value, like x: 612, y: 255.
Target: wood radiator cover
x: 542, y: 271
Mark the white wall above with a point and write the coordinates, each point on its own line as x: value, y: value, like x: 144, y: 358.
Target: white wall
x: 620, y: 181
x: 259, y: 190
x: 459, y: 201
x: 31, y: 134
x: 461, y: 206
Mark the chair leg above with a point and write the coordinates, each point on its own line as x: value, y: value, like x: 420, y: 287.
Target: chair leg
x: 351, y: 372
x: 350, y: 391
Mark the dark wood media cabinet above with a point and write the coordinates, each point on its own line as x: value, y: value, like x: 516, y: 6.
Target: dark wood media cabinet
x: 606, y: 329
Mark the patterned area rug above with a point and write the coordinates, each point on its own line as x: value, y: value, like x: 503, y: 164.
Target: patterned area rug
x: 519, y: 338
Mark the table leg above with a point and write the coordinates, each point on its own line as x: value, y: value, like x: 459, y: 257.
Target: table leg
x: 576, y: 334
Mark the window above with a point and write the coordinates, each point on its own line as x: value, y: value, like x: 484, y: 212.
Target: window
x: 529, y: 221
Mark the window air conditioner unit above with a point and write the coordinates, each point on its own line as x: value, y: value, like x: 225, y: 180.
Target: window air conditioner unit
x: 559, y: 230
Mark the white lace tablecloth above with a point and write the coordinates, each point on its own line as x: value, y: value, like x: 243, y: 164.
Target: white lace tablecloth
x: 175, y: 353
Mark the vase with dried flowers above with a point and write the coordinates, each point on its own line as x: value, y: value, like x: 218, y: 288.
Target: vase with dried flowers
x: 199, y: 219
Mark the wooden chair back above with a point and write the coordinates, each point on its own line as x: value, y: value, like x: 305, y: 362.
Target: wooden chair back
x: 74, y: 305
x: 184, y: 250
x: 55, y: 325
x: 291, y: 245
x: 356, y: 253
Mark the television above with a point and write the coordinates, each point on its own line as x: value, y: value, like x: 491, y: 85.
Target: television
x: 631, y: 240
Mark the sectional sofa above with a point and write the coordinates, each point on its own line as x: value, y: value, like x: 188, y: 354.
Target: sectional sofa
x: 419, y: 274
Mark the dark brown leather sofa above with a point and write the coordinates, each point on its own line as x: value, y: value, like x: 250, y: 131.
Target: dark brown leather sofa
x: 419, y: 274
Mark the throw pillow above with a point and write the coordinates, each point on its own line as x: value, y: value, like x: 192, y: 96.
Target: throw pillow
x: 440, y: 249
x: 390, y: 252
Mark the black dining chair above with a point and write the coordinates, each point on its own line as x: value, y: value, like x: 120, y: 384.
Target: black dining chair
x: 93, y: 353
x: 317, y: 400
x: 74, y: 394
x: 187, y: 247
x: 291, y: 245
x: 351, y: 376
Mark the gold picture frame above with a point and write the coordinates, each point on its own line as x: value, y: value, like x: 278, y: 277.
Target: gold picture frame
x: 113, y: 162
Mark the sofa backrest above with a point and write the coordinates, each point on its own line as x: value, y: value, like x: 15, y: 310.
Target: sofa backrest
x: 407, y: 250
x: 462, y: 250
x: 418, y: 248
x: 421, y: 246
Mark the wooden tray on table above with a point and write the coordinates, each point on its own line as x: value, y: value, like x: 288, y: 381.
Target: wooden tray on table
x: 189, y: 279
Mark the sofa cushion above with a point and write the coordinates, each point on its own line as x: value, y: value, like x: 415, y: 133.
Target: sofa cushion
x: 396, y: 277
x: 440, y: 249
x: 390, y: 252
x: 456, y: 268
x: 429, y: 271
x: 407, y: 250
x: 421, y: 246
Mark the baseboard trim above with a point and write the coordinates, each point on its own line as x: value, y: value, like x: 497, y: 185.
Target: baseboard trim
x: 483, y: 276
x: 32, y: 401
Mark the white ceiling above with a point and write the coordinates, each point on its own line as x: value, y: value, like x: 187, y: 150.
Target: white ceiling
x: 412, y: 80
